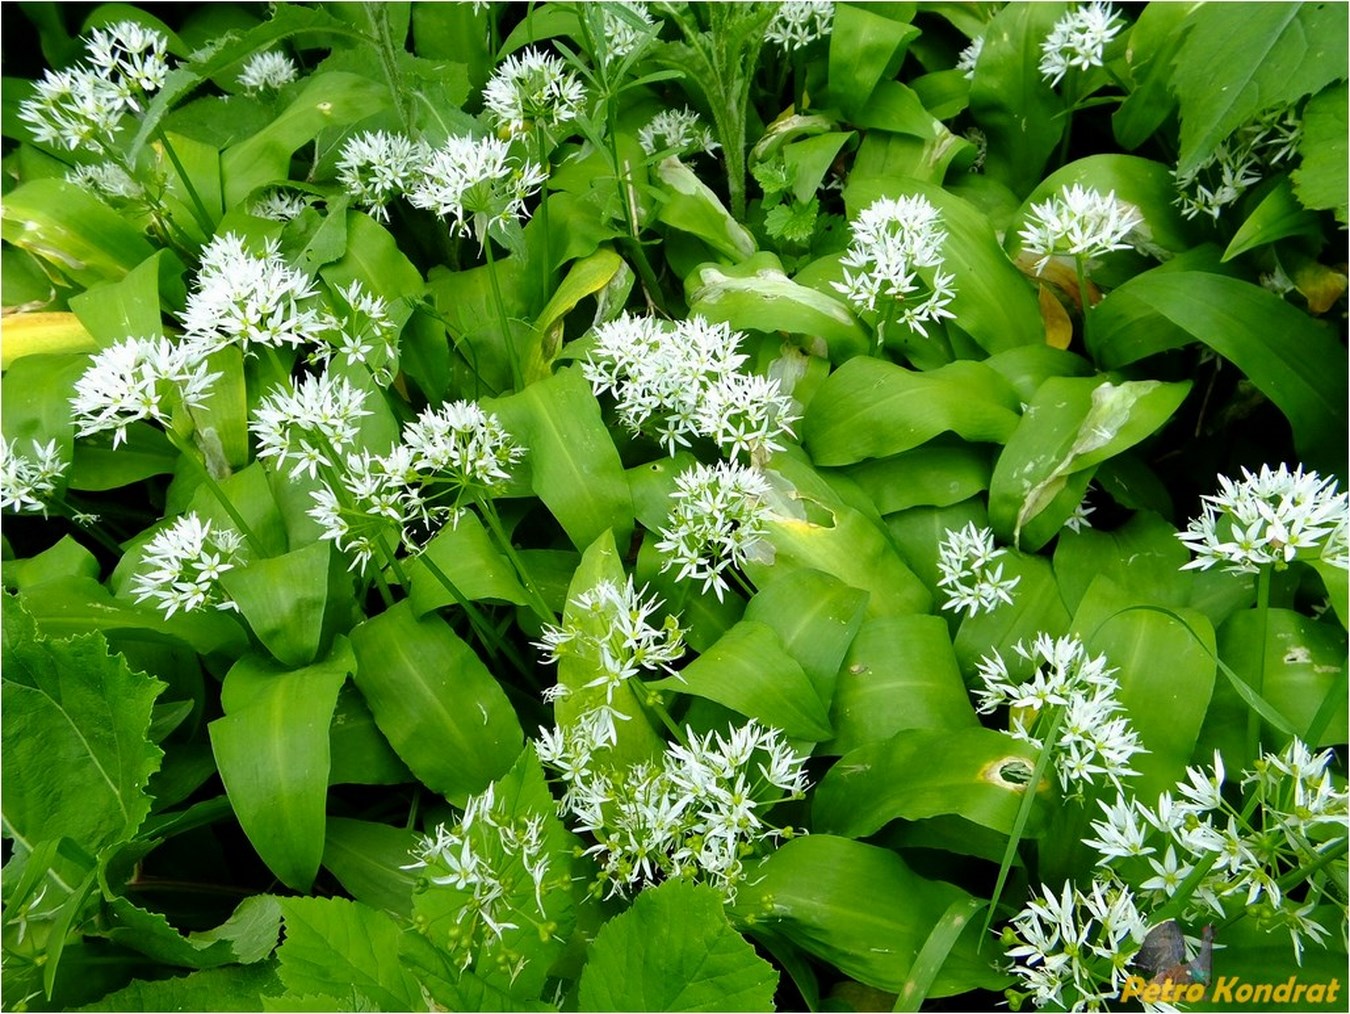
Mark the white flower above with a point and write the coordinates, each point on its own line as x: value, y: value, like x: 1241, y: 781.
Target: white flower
x: 360, y: 333
x: 181, y: 566
x: 1079, y: 222
x: 27, y: 482
x: 132, y: 57
x: 106, y: 180
x: 1078, y: 39
x: 533, y: 89
x: 268, y: 72
x: 718, y: 520
x: 1122, y: 833
x: 1271, y: 517
x: 279, y: 205
x: 1238, y: 162
x: 892, y: 240
x: 966, y: 565
x: 376, y: 167
x: 622, y: 36
x: 247, y: 300
x: 798, y: 23
x: 464, y: 443
x: 308, y: 422
x: 676, y: 132
x: 373, y: 500
x: 478, y: 183
x: 138, y: 378
x: 969, y: 57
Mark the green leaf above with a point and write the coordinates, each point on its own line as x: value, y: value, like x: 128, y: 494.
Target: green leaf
x: 284, y: 599
x: 1154, y: 39
x: 690, y: 206
x: 130, y: 306
x: 861, y: 909
x: 323, y: 934
x: 674, y: 950
x: 67, y: 558
x: 574, y: 467
x: 466, y: 554
x: 272, y: 751
x: 977, y: 773
x: 359, y: 752
x: 1241, y: 59
x: 1320, y: 179
x: 1036, y: 608
x: 871, y: 409
x: 1142, y: 557
x: 935, y: 474
x: 748, y: 671
x: 1278, y: 216
x: 235, y: 988
x: 367, y: 860
x: 865, y: 47
x: 77, y: 756
x: 1291, y: 358
x: 373, y: 258
x: 900, y: 673
x: 248, y: 936
x: 435, y: 701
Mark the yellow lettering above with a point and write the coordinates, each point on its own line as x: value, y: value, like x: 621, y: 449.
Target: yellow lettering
x: 1332, y: 988
x: 1152, y: 993
x: 1298, y: 992
x: 1262, y: 992
x: 1195, y: 992
x: 1284, y: 990
x: 1134, y: 984
x: 1317, y: 992
x: 1223, y: 989
x: 1243, y: 993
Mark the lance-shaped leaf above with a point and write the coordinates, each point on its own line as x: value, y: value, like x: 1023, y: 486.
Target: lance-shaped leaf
x: 690, y: 206
x: 284, y: 599
x: 73, y: 231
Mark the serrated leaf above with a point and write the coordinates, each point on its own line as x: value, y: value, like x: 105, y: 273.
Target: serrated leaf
x: 248, y: 936
x: 1320, y: 179
x: 674, y: 950
x: 234, y: 988
x: 324, y: 934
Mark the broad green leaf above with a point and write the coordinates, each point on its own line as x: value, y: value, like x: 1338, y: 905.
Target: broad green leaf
x: 935, y: 474
x: 674, y: 950
x: 810, y: 159
x: 1072, y: 425
x: 1142, y: 557
x: 234, y: 988
x: 574, y: 467
x: 1244, y: 58
x: 815, y: 617
x: 872, y: 409
x: 373, y: 258
x: 272, y: 751
x: 222, y: 415
x: 1036, y: 608
x: 73, y: 231
x: 95, y: 466
x: 756, y: 295
x: 977, y: 773
x: 1290, y: 358
x: 585, y: 278
x: 861, y: 909
x: 359, y: 752
x: 690, y: 206
x: 37, y: 334
x: 130, y: 307
x: 323, y: 934
x: 1278, y: 216
x: 748, y: 671
x: 1336, y: 581
x: 311, y: 240
x: 35, y: 402
x: 367, y: 860
x: 1320, y: 179
x: 900, y: 673
x: 284, y: 599
x: 435, y: 701
x: 865, y: 48
x: 1154, y: 39
x: 248, y: 936
x: 67, y: 558
x: 77, y: 757
x: 466, y: 554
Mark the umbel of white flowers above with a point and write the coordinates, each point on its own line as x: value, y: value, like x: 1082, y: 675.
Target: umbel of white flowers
x: 476, y: 183
x: 28, y: 481
x: 1079, y: 222
x: 1078, y: 39
x: 973, y: 581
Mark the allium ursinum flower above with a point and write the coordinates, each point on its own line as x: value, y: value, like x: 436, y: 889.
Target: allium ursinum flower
x: 622, y: 36
x: 614, y: 635
x: 132, y: 56
x: 138, y: 378
x: 1238, y: 162
x: 466, y: 448
x: 685, y: 376
x: 697, y: 814
x: 532, y: 89
x: 1071, y: 950
x: 375, y: 167
x: 1078, y: 520
x: 28, y: 481
x: 496, y: 864
x: 360, y: 332
x: 106, y: 180
x: 1272, y: 517
x: 181, y: 566
x: 478, y: 184
x: 1078, y: 39
x: 798, y: 23
x: 892, y: 239
x: 1094, y: 740
x: 268, y: 72
x: 973, y: 581
x: 279, y: 205
x: 969, y: 57
x: 243, y: 299
x: 1079, y: 222
x: 717, y: 522
x: 308, y: 422
x: 676, y: 132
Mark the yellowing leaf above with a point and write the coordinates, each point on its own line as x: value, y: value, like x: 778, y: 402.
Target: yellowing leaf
x: 1058, y: 327
x: 31, y: 334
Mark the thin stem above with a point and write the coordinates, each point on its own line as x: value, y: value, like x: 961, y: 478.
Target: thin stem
x: 69, y: 513
x: 199, y: 211
x: 537, y: 603
x: 1081, y: 270
x: 507, y: 336
x: 1258, y: 684
x: 487, y: 634
x: 650, y: 702
x: 187, y: 451
x: 545, y: 255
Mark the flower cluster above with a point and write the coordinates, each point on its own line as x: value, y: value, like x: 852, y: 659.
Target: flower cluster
x: 464, y: 443
x: 106, y: 180
x: 1271, y: 517
x: 1079, y: 222
x: 533, y: 89
x: 798, y: 23
x: 268, y: 72
x: 611, y: 632
x: 892, y: 239
x: 478, y: 183
x: 27, y: 482
x: 623, y: 33
x: 1068, y: 695
x: 83, y: 105
x: 1239, y: 162
x: 248, y: 300
x: 688, y: 375
x: 376, y: 166
x: 278, y: 205
x: 676, y: 132
x: 969, y: 57
x: 138, y: 378
x: 496, y: 864
x: 181, y: 566
x: 309, y: 422
x: 372, y: 497
x: 719, y: 519
x: 362, y: 333
x: 696, y: 814
x: 968, y: 572
x: 1078, y: 39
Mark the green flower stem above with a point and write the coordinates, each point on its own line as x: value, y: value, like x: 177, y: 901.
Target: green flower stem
x: 190, y: 453
x: 1258, y: 684
x: 537, y: 603
x: 199, y: 211
x: 486, y: 633
x: 546, y: 247
x: 650, y: 702
x: 68, y: 512
x: 507, y: 337
x: 740, y: 581
x: 1081, y: 270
